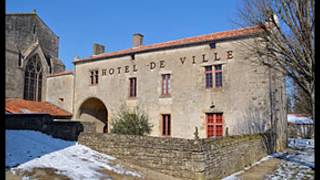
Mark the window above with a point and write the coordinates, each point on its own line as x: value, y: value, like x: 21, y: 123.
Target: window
x: 133, y: 87
x: 208, y: 73
x: 214, y: 124
x: 20, y: 59
x: 166, y: 124
x: 94, y: 77
x: 165, y: 85
x: 34, y: 28
x: 218, y: 75
x: 33, y: 79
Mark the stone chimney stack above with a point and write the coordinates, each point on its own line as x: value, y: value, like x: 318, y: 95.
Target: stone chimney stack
x: 98, y: 49
x: 137, y: 40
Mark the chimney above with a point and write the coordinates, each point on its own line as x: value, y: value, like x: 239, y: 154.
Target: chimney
x: 137, y: 40
x: 98, y: 49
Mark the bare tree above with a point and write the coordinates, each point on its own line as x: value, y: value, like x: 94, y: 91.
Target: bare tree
x: 302, y: 102
x: 286, y: 43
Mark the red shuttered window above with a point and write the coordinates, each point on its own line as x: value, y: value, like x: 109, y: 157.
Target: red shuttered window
x: 133, y: 87
x: 214, y: 124
x: 166, y: 124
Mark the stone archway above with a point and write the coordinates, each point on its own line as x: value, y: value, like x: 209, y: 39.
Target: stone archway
x: 93, y: 110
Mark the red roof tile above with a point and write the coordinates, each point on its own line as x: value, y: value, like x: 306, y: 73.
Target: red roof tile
x: 18, y: 106
x: 180, y: 42
x: 60, y: 73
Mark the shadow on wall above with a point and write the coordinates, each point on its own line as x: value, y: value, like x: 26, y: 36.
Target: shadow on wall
x: 256, y: 121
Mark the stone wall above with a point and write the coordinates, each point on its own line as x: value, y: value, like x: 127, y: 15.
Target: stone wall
x: 60, y: 91
x: 64, y: 129
x: 181, y: 158
x: 28, y: 35
x: 22, y: 28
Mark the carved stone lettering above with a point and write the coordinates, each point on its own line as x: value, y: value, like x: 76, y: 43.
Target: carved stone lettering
x: 152, y: 65
x: 126, y: 69
x: 193, y: 59
x: 162, y: 65
x: 135, y: 68
x: 229, y: 55
x: 182, y: 59
x: 111, y: 71
x: 216, y: 58
x: 204, y: 58
x: 104, y: 72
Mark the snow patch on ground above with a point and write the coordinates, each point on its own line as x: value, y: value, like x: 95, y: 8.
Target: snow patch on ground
x: 76, y: 162
x: 300, y: 143
x: 25, y: 145
x: 67, y: 157
x: 298, y: 164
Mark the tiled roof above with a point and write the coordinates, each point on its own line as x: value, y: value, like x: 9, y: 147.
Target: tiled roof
x: 21, y: 106
x: 61, y: 73
x: 186, y: 41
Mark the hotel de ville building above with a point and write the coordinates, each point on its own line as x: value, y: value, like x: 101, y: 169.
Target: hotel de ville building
x: 207, y: 82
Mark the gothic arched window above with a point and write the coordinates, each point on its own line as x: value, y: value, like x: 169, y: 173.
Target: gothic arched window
x: 33, y: 79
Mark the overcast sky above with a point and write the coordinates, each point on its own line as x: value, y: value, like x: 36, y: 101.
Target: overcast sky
x: 80, y: 23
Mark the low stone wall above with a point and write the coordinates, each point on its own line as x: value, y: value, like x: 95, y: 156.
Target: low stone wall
x: 64, y: 129
x: 182, y: 158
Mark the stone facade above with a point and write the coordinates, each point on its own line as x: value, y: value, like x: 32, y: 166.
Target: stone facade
x: 26, y: 36
x: 249, y: 97
x: 182, y: 158
x: 60, y: 90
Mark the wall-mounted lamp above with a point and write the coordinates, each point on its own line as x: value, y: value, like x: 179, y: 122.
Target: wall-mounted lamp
x: 212, y: 105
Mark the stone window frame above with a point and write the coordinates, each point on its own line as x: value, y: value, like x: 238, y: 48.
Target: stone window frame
x: 33, y: 79
x: 218, y: 75
x: 208, y: 76
x: 166, y: 125
x: 94, y: 77
x: 166, y: 85
x: 214, y: 124
x: 132, y: 87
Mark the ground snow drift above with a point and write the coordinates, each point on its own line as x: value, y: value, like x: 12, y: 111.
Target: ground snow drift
x: 67, y: 157
x: 25, y: 145
x: 76, y: 162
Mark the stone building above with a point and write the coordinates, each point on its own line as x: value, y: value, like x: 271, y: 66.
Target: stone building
x: 206, y: 82
x: 31, y: 54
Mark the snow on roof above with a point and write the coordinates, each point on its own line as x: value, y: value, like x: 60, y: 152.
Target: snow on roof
x: 299, y: 119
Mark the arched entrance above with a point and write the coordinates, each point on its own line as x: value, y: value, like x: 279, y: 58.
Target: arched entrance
x: 93, y: 110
